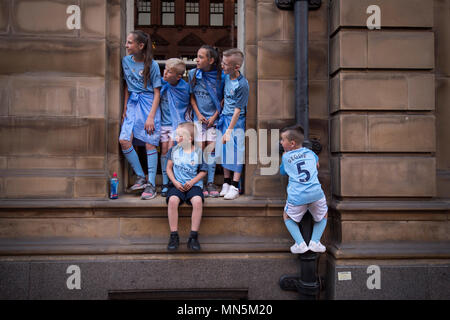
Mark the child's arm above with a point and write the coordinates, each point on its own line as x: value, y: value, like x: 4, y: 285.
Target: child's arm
x: 194, y: 105
x: 150, y: 123
x: 282, y: 171
x: 169, y: 171
x: 317, y: 160
x: 126, y: 95
x: 234, y: 119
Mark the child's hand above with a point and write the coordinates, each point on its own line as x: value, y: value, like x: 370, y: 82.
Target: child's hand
x: 179, y: 186
x: 201, y: 118
x: 150, y: 125
x: 226, y: 136
x: 187, y: 186
x: 210, y: 122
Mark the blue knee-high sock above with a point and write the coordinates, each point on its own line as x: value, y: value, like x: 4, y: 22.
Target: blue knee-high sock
x: 318, y: 229
x: 211, y: 166
x: 152, y: 161
x: 294, y: 230
x: 133, y: 159
x: 163, y: 169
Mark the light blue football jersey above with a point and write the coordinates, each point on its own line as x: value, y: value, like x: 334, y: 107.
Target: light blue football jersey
x: 133, y: 74
x: 187, y: 165
x: 235, y: 95
x: 301, y: 167
x: 179, y: 97
x: 205, y: 103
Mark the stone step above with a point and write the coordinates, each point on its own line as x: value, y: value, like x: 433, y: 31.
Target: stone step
x: 55, y: 247
x: 131, y: 225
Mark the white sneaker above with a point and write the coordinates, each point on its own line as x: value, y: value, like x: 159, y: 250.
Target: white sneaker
x: 316, y: 246
x: 232, y: 193
x: 299, y: 248
x: 225, y: 189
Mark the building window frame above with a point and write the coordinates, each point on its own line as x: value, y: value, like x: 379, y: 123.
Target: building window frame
x: 143, y: 9
x: 192, y: 12
x: 216, y: 13
x: 168, y: 13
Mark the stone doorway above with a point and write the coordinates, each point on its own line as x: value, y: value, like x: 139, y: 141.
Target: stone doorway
x: 141, y: 14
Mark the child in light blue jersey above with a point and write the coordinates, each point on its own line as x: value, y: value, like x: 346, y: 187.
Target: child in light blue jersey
x: 304, y: 190
x: 186, y: 170
x: 231, y: 148
x: 141, y: 116
x: 174, y: 102
x: 207, y: 82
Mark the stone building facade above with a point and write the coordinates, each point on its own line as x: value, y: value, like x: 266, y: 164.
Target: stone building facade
x: 379, y: 106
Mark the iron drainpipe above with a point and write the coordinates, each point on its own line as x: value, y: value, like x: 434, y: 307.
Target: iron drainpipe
x: 301, y: 67
x: 306, y: 283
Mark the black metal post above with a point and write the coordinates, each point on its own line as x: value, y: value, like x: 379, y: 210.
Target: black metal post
x: 301, y: 68
x: 306, y: 283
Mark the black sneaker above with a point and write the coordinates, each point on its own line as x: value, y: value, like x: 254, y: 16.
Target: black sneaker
x: 193, y: 244
x: 174, y: 242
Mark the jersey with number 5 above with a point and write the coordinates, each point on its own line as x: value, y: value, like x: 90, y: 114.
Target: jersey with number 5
x: 301, y: 167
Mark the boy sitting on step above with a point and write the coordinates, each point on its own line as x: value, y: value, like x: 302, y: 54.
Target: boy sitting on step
x: 186, y: 170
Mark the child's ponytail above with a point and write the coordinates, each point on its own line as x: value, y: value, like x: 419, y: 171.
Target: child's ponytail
x: 147, y: 51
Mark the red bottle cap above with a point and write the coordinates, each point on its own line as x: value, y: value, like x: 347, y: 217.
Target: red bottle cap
x: 114, y: 175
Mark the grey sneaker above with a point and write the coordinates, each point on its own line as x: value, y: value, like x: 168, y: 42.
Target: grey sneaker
x: 149, y: 192
x: 140, y: 184
x: 212, y: 190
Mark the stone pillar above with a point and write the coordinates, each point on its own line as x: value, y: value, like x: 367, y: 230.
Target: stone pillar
x: 269, y: 48
x: 442, y: 40
x: 383, y: 144
x: 59, y: 98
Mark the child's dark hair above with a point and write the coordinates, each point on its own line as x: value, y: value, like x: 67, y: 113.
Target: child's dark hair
x: 142, y: 37
x: 213, y: 53
x: 295, y: 133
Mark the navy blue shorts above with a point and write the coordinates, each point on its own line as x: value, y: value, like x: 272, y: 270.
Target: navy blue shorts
x: 184, y: 196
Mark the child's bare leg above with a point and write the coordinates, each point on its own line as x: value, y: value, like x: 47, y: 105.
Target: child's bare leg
x: 125, y: 144
x: 236, y: 176
x: 172, y: 213
x: 197, y: 209
x: 226, y: 173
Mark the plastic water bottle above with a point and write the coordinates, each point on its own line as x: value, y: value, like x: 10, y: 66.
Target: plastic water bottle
x: 114, y: 186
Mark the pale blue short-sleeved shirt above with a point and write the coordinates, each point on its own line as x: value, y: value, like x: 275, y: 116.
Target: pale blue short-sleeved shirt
x: 205, y: 103
x: 133, y: 74
x: 186, y: 166
x: 179, y: 95
x: 301, y: 167
x: 235, y: 95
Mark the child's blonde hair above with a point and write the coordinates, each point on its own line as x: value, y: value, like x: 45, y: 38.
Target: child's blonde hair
x: 189, y: 127
x: 178, y: 65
